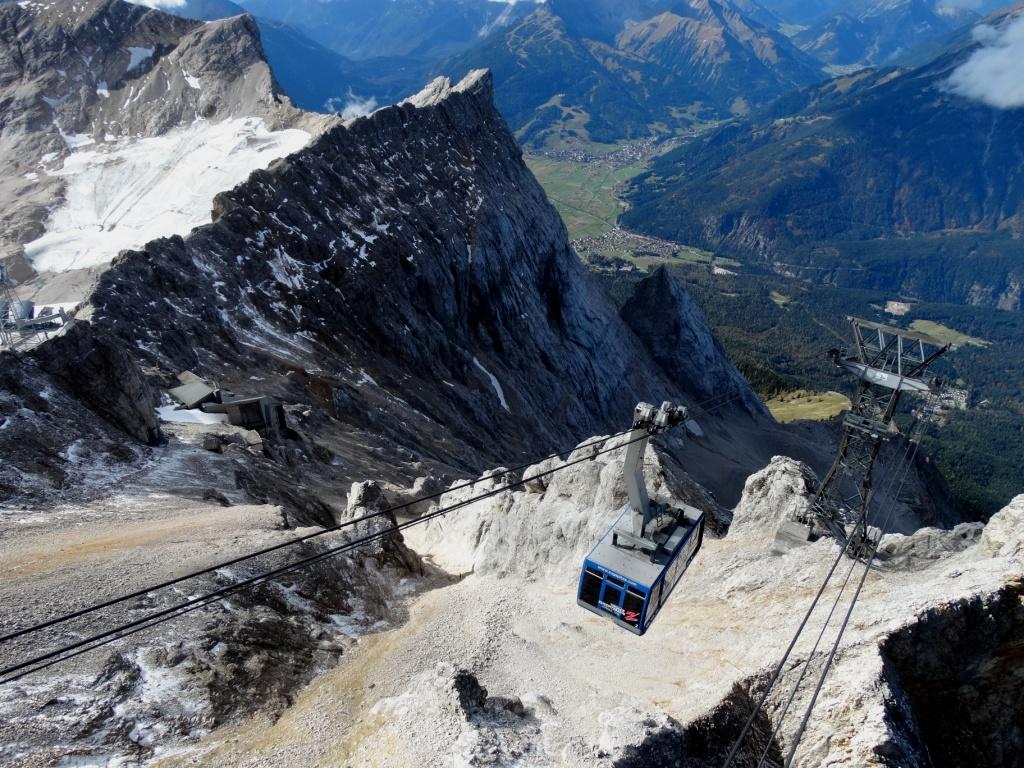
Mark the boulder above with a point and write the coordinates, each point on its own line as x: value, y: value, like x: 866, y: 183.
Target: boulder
x: 777, y: 493
x: 1004, y: 533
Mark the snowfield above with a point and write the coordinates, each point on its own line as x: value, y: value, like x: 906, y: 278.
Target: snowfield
x: 171, y: 414
x: 122, y: 195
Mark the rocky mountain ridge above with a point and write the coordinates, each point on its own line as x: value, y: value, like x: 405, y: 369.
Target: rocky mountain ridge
x: 489, y: 324
x: 568, y: 73
x: 405, y: 286
x: 82, y: 87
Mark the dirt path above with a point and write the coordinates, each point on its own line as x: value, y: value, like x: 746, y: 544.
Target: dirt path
x: 41, y: 554
x: 328, y: 723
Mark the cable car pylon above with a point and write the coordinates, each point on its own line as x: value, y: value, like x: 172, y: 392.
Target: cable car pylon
x: 887, y: 362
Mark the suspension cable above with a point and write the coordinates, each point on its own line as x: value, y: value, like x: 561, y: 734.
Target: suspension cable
x: 288, y: 543
x: 709, y: 405
x: 730, y: 759
x: 777, y: 672
x: 806, y: 667
x: 846, y: 619
x: 780, y: 718
x: 19, y: 670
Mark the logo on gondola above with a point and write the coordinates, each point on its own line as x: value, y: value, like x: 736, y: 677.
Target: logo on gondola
x: 611, y: 608
x: 632, y: 617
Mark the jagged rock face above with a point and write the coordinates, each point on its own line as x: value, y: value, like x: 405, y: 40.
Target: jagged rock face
x: 102, y: 373
x: 959, y: 670
x: 914, y: 684
x: 920, y: 524
x: 248, y: 654
x: 410, y: 258
x: 780, y: 491
x: 58, y: 429
x: 1002, y: 534
x: 706, y: 742
x: 669, y: 322
x: 545, y: 530
x: 368, y: 499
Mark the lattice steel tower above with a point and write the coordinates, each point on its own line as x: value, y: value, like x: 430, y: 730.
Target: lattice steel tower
x: 887, y: 362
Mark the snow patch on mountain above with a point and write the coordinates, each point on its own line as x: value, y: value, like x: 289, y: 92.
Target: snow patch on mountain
x: 163, y: 4
x: 124, y: 194
x: 494, y: 383
x: 170, y: 413
x: 138, y: 55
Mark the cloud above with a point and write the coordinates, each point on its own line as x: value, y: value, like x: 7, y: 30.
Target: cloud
x: 353, y: 106
x: 994, y: 74
x: 162, y: 4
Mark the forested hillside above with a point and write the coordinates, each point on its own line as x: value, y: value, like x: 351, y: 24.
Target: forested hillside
x: 898, y: 180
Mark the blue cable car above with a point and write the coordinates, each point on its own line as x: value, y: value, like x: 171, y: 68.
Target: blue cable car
x: 629, y: 575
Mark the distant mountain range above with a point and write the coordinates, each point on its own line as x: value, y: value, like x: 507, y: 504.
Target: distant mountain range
x: 605, y: 71
x: 365, y: 29
x: 569, y: 71
x: 861, y: 33
x: 905, y: 180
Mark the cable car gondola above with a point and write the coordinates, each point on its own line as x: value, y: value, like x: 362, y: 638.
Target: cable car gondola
x: 629, y: 575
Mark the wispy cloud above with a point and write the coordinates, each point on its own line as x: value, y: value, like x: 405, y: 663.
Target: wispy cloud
x: 994, y: 74
x: 352, y: 105
x: 163, y: 4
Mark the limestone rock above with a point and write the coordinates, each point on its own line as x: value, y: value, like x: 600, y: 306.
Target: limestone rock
x: 541, y: 532
x: 1004, y: 532
x: 778, y: 492
x: 368, y: 499
x: 673, y: 328
x: 928, y: 544
x: 104, y: 374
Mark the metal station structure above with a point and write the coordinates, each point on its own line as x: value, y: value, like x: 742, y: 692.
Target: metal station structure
x: 20, y: 325
x: 887, y: 363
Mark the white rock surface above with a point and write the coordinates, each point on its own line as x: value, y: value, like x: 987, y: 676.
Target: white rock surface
x: 1004, y: 532
x: 735, y: 612
x: 778, y: 492
x: 542, y: 532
